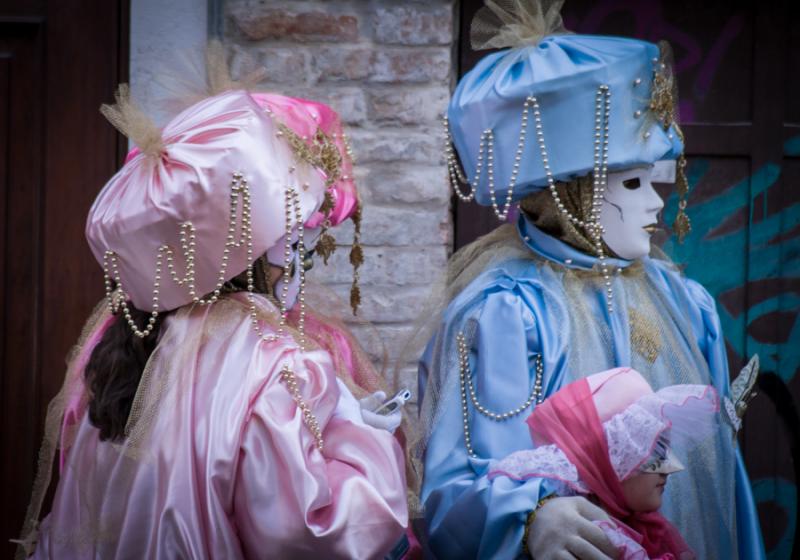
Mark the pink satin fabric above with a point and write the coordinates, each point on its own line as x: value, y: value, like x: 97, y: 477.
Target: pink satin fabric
x: 616, y: 389
x: 231, y: 469
x: 143, y: 206
x: 335, y: 339
x: 304, y: 117
x: 569, y: 419
x: 627, y: 548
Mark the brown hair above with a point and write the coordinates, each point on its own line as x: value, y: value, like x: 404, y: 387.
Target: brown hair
x: 118, y: 361
x: 114, y: 370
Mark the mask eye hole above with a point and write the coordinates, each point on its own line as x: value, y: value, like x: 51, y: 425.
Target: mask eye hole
x: 632, y: 183
x: 652, y: 466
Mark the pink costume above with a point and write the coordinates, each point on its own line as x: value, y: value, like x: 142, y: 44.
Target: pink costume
x: 600, y: 430
x: 240, y: 443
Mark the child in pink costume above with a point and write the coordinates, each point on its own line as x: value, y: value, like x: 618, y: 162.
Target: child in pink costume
x: 610, y: 437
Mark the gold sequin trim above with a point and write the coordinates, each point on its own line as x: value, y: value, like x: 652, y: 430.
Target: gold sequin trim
x: 319, y: 151
x: 645, y: 338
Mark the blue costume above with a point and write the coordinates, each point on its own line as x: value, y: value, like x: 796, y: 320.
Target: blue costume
x: 542, y: 301
x: 538, y: 304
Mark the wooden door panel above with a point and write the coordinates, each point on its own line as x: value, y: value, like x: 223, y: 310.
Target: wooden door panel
x: 22, y: 45
x: 58, y: 62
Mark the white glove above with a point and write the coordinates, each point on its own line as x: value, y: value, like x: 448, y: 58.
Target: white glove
x: 388, y: 422
x: 563, y: 528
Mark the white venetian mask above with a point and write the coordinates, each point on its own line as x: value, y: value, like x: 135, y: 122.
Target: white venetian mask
x: 630, y: 212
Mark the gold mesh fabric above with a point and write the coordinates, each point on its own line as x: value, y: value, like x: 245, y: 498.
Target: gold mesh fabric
x: 515, y: 23
x: 73, y: 381
x: 576, y: 196
x: 131, y: 121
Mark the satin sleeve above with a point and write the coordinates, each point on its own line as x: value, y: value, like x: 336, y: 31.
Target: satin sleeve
x: 293, y: 500
x: 468, y: 514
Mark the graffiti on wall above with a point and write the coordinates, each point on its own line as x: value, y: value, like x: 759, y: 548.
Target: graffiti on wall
x: 716, y: 238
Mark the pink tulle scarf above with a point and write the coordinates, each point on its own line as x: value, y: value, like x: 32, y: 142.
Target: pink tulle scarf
x: 570, y: 421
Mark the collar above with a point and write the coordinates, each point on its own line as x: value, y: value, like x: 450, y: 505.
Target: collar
x: 550, y: 248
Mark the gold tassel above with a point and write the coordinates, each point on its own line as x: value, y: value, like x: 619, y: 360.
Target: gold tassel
x: 682, y: 225
x: 355, y: 296
x: 356, y: 260
x: 356, y: 256
x: 218, y: 72
x: 131, y: 121
x: 327, y: 204
x: 326, y: 245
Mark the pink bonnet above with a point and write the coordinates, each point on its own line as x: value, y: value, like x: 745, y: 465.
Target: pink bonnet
x: 615, y: 389
x: 632, y: 417
x: 189, y: 189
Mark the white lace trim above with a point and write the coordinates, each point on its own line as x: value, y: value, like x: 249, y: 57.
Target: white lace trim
x: 686, y: 412
x: 631, y: 437
x: 627, y: 548
x: 547, y: 461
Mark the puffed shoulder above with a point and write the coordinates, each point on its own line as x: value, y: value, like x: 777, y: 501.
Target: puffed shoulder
x: 700, y: 295
x: 510, y: 277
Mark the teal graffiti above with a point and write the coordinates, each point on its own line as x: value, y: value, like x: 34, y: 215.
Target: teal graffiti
x: 750, y: 253
x: 782, y: 494
x: 730, y: 253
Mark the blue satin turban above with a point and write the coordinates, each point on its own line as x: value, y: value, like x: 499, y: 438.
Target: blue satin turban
x: 563, y: 72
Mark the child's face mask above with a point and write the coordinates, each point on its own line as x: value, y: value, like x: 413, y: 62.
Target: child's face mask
x: 629, y: 212
x: 662, y: 460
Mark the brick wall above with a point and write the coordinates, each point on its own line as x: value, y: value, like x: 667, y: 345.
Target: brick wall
x: 386, y: 66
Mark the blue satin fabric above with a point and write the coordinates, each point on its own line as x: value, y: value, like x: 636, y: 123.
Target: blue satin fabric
x: 563, y: 72
x: 518, y: 309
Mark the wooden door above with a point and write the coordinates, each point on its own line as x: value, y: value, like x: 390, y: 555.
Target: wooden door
x: 738, y: 70
x: 58, y: 62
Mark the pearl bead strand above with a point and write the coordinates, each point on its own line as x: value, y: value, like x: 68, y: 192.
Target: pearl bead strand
x: 486, y: 150
x: 599, y: 179
x: 468, y: 393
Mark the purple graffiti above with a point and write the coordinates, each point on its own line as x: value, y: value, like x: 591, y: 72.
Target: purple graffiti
x: 650, y: 24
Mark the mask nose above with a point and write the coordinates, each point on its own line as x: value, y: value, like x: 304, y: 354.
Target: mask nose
x: 654, y: 202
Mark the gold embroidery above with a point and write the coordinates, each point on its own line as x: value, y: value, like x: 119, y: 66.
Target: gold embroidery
x: 326, y: 245
x: 645, y: 338
x: 321, y: 152
x: 663, y: 100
